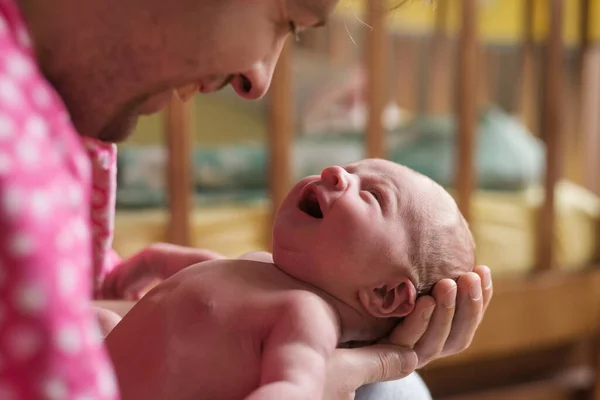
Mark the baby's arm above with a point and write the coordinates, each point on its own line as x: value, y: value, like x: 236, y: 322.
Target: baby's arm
x: 296, y: 351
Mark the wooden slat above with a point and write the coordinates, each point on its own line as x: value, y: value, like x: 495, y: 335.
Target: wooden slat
x: 376, y: 62
x: 488, y: 74
x: 281, y: 129
x: 552, y: 126
x: 589, y: 85
x: 576, y: 167
x: 509, y: 370
x: 527, y: 101
x: 439, y: 88
x: 555, y: 388
x: 590, y: 118
x: 467, y: 105
x: 406, y: 53
x: 545, y: 310
x: 179, y: 140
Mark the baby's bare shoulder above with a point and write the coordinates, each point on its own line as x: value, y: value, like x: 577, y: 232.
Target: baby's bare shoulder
x: 300, y: 307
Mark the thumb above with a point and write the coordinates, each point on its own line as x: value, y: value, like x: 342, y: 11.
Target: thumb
x: 378, y: 363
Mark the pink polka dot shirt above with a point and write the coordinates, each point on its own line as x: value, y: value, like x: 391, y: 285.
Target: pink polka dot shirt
x: 57, y: 197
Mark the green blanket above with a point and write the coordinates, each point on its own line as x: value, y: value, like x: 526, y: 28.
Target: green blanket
x: 507, y: 158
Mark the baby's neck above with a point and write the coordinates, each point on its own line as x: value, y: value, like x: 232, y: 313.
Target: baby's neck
x: 357, y: 326
x: 354, y: 323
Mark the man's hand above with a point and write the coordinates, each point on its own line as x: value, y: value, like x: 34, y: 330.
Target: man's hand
x: 444, y: 323
x: 440, y: 325
x: 130, y: 279
x: 349, y: 369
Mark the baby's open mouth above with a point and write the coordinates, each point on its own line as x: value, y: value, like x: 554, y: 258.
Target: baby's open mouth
x: 309, y: 204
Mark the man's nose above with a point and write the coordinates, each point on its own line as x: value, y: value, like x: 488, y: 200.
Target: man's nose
x: 335, y: 178
x: 254, y: 83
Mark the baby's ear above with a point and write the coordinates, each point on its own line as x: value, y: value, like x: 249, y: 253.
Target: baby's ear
x: 394, y: 299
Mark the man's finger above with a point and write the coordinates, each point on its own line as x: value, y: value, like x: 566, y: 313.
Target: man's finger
x: 469, y: 313
x: 377, y: 363
x: 433, y: 341
x: 486, y: 282
x: 408, y: 333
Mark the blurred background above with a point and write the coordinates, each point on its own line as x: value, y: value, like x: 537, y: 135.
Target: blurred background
x: 497, y: 100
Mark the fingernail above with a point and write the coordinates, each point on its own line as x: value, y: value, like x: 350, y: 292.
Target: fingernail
x: 475, y: 291
x: 450, y: 298
x: 428, y: 312
x: 487, y: 280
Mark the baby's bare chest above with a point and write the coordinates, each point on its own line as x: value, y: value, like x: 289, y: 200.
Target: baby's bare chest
x: 238, y: 309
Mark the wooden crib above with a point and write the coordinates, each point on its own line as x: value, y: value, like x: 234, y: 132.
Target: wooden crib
x: 539, y: 339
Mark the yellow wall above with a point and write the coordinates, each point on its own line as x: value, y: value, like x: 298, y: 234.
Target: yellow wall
x: 217, y: 123
x: 500, y: 20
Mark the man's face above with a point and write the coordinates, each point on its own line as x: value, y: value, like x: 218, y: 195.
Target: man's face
x: 131, y: 66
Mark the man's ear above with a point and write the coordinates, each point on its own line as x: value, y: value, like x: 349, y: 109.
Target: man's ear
x: 393, y: 299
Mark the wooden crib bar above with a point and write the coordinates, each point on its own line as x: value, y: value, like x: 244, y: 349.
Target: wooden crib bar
x: 376, y: 62
x: 527, y: 94
x: 552, y: 129
x: 280, y: 130
x: 179, y: 120
x: 467, y: 105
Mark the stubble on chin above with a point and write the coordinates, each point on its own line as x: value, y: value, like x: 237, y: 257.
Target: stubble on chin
x: 121, y: 125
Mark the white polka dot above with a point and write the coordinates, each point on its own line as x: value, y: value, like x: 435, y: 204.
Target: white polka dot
x: 10, y: 94
x: 21, y: 245
x: 27, y: 152
x: 94, y: 336
x: 68, y: 339
x: 7, y: 127
x: 104, y: 160
x: 36, y: 127
x: 40, y: 204
x: 5, y: 164
x: 19, y: 66
x: 23, y: 343
x: 55, y: 389
x: 41, y: 96
x: 30, y: 298
x: 23, y: 37
x: 6, y: 390
x: 80, y: 229
x: 106, y: 382
x: 83, y: 164
x: 75, y: 195
x: 12, y: 201
x: 67, y: 279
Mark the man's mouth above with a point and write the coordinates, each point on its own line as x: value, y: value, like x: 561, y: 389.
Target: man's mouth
x: 309, y: 203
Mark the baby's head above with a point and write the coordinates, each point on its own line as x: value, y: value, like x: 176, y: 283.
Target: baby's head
x: 373, y: 234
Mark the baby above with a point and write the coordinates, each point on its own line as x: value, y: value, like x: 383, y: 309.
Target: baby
x: 352, y: 250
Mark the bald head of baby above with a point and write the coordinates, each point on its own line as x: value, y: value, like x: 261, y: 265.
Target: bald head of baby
x: 438, y: 242
x: 375, y: 232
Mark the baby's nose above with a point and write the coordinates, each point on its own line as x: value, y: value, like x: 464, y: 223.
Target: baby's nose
x: 335, y: 177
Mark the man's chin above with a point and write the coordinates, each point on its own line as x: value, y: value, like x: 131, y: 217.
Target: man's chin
x: 155, y: 103
x: 123, y: 125
x: 119, y: 129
